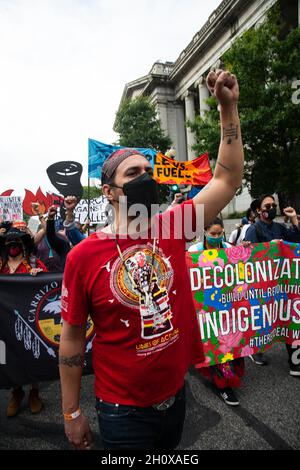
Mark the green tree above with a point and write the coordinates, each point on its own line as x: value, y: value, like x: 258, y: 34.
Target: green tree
x: 138, y: 125
x: 94, y: 192
x: 266, y: 62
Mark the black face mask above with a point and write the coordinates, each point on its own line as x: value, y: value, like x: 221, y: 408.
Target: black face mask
x: 271, y: 213
x: 141, y: 190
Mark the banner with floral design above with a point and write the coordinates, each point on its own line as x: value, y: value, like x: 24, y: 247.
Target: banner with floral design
x: 246, y: 299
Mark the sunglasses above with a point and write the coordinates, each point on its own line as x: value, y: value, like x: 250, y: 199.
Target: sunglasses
x: 269, y: 206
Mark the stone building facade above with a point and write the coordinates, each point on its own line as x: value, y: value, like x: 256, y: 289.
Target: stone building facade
x: 178, y: 88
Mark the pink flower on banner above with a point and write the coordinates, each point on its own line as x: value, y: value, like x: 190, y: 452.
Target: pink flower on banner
x: 230, y: 341
x: 238, y: 253
x: 247, y: 351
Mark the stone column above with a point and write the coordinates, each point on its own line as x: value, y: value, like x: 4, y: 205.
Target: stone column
x: 190, y: 116
x: 203, y: 96
x: 163, y: 115
x: 299, y: 12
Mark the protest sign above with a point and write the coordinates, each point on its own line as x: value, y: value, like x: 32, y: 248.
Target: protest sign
x: 96, y: 212
x: 11, y: 208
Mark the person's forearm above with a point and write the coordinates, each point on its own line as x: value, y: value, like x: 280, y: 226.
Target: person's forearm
x: 295, y: 221
x: 71, y: 361
x: 39, y: 236
x: 230, y: 162
x: 55, y: 242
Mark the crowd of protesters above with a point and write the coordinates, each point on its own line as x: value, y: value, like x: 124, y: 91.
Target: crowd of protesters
x: 46, y: 251
x: 22, y: 252
x: 140, y: 391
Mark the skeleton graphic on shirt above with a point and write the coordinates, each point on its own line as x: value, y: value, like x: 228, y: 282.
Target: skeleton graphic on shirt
x: 154, y: 303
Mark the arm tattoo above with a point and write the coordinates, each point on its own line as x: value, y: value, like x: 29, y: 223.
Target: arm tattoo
x: 223, y: 166
x: 230, y: 133
x: 76, y: 361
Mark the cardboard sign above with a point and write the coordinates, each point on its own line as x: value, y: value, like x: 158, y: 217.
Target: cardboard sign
x: 11, y: 208
x: 96, y: 213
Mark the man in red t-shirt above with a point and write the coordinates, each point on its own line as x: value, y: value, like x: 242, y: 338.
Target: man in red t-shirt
x: 132, y: 279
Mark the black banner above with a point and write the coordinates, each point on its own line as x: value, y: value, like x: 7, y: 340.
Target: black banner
x: 30, y: 327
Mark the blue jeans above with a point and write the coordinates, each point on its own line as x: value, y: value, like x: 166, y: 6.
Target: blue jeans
x: 130, y: 427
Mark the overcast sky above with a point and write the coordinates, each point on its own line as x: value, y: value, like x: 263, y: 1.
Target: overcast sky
x: 63, y: 68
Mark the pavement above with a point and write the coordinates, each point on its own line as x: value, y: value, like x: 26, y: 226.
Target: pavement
x: 268, y: 416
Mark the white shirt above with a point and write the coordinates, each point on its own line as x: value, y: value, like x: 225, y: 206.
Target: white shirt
x: 234, y: 233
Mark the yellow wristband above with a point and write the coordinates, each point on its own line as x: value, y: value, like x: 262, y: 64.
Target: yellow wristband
x: 71, y: 416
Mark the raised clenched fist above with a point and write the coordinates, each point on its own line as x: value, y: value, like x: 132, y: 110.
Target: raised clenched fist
x: 290, y: 212
x: 224, y: 86
x: 52, y: 211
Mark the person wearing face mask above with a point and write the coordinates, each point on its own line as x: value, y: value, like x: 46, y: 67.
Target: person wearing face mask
x: 224, y: 376
x: 17, y: 254
x: 18, y: 259
x: 213, y: 237
x: 266, y: 230
x: 131, y: 276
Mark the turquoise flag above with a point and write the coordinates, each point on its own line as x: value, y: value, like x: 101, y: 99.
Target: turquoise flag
x: 98, y: 153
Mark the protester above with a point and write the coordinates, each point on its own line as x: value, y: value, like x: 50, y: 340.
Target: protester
x: 74, y: 234
x: 147, y: 334
x: 225, y: 376
x: 18, y: 258
x: 214, y: 237
x: 44, y: 251
x: 57, y: 238
x: 237, y: 236
x: 18, y: 254
x: 266, y: 230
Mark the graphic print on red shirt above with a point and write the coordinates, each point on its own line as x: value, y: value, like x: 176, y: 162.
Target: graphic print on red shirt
x: 151, y: 299
x: 147, y: 336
